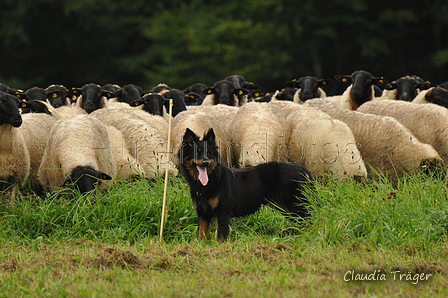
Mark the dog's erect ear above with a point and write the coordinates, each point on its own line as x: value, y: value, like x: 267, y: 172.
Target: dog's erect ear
x: 189, y: 136
x: 210, y: 136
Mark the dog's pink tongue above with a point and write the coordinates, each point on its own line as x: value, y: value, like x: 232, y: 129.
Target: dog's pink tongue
x: 203, y: 177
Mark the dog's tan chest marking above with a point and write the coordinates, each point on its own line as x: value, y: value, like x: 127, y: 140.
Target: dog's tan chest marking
x: 213, y: 202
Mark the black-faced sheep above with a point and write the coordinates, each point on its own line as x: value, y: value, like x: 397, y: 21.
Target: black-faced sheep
x: 386, y: 145
x: 428, y: 122
x: 258, y: 135
x: 129, y: 93
x: 57, y: 95
x: 308, y: 87
x: 323, y: 145
x: 223, y: 92
x: 436, y: 95
x: 405, y: 88
x: 193, y: 90
x: 239, y: 82
x: 14, y: 156
x: 35, y: 106
x: 77, y: 153
x: 143, y: 140
x: 92, y: 97
x: 34, y: 93
x: 152, y: 103
x: 178, y: 98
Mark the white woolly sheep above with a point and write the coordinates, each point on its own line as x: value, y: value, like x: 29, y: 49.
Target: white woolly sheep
x: 14, y: 156
x: 436, y: 95
x: 323, y: 145
x: 285, y: 107
x: 78, y: 152
x: 36, y: 128
x: 223, y: 114
x: 258, y: 135
x: 199, y: 122
x: 127, y: 166
x: 144, y: 141
x: 428, y: 122
x: 386, y: 145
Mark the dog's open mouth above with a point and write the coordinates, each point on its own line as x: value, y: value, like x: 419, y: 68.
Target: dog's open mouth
x: 202, y: 174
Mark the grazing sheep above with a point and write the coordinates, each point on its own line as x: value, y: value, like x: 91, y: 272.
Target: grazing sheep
x: 199, y: 122
x: 14, y: 156
x: 428, y: 122
x: 308, y: 87
x: 143, y: 140
x: 223, y: 92
x: 323, y: 145
x: 436, y: 95
x: 258, y: 135
x: 78, y: 152
x: 386, y: 145
x: 405, y: 88
x: 36, y: 129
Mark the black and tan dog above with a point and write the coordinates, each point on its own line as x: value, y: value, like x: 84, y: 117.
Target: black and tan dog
x: 222, y: 193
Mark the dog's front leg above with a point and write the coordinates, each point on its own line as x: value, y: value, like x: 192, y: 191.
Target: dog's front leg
x: 204, y: 228
x: 223, y: 227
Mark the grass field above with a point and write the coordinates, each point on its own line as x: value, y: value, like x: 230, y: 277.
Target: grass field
x: 107, y: 245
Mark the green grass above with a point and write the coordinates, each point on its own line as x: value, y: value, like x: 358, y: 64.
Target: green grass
x: 107, y: 244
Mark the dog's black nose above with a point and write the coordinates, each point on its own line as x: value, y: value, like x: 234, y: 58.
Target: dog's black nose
x: 205, y: 162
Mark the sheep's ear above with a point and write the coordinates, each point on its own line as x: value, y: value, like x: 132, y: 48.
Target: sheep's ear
x: 391, y: 86
x: 189, y: 136
x: 292, y: 84
x: 104, y: 176
x: 108, y: 94
x: 20, y: 95
x: 343, y: 78
x: 380, y: 81
x: 240, y: 92
x: 191, y: 96
x: 208, y: 91
x: 258, y: 93
x: 424, y: 86
x: 250, y: 85
x: 24, y: 104
x: 324, y: 82
x: 137, y: 103
x: 119, y: 92
x: 54, y: 94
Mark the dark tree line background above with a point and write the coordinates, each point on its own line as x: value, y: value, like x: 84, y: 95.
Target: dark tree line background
x: 269, y: 42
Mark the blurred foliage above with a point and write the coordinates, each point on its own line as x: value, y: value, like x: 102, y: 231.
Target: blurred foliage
x: 183, y: 42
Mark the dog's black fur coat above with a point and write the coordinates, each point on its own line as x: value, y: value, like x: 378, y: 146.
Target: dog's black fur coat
x: 223, y: 193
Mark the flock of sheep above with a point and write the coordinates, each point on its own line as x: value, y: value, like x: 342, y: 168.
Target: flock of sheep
x: 55, y: 137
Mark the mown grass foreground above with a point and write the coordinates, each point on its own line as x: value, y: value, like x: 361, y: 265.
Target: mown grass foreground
x: 107, y: 244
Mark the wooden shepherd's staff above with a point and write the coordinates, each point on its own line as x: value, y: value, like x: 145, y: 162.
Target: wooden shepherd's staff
x: 162, y: 220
